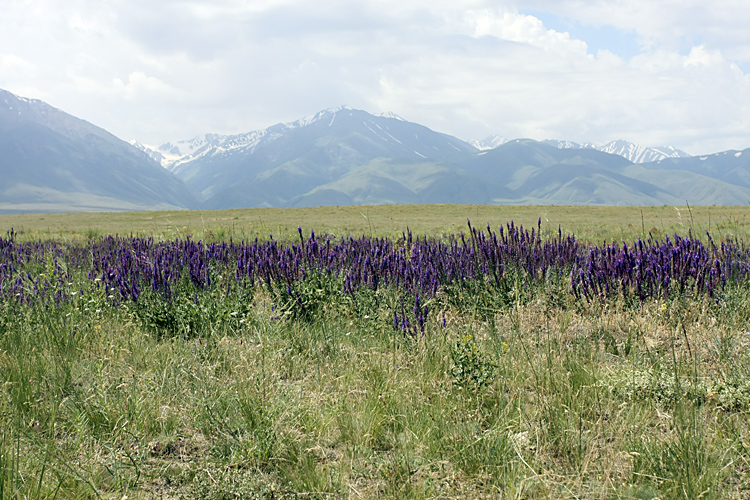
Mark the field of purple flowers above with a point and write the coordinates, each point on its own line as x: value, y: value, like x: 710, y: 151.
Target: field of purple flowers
x: 532, y: 363
x: 305, y: 274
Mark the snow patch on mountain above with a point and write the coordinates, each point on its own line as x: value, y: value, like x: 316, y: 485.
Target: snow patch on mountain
x: 172, y: 154
x: 489, y: 142
x: 388, y: 114
x: 320, y: 115
x: 569, y: 144
x: 632, y: 152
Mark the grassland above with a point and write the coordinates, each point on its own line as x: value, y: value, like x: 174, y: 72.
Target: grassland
x: 520, y: 392
x: 587, y: 223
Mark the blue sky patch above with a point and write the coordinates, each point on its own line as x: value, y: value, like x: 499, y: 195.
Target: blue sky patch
x: 619, y: 42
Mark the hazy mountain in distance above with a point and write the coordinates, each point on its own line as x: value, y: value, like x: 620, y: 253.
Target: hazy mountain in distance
x: 343, y: 156
x: 281, y: 165
x: 541, y: 173
x: 716, y: 179
x: 628, y: 150
x: 51, y: 161
x: 729, y: 166
x: 489, y: 142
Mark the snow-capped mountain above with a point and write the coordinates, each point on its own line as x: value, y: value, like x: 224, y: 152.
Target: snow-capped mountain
x: 633, y: 152
x: 626, y: 149
x: 172, y: 155
x: 642, y: 154
x: 273, y: 166
x: 489, y: 142
x: 51, y: 161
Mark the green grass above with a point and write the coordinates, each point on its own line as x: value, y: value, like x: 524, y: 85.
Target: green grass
x: 593, y: 224
x: 520, y: 395
x: 541, y: 400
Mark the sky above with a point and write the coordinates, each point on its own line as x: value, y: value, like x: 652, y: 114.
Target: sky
x: 654, y: 72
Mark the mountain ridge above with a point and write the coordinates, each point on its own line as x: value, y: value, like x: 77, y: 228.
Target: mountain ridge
x: 289, y: 160
x: 171, y: 154
x: 634, y: 152
x: 51, y: 161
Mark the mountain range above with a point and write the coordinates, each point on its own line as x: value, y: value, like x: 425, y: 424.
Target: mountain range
x: 628, y: 150
x: 52, y: 161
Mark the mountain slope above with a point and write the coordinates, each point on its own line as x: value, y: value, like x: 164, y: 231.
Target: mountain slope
x: 632, y: 152
x: 628, y: 150
x: 344, y: 156
x: 540, y: 173
x: 383, y: 181
x: 52, y: 161
x: 717, y: 179
x: 275, y: 166
x: 732, y: 167
x: 515, y: 161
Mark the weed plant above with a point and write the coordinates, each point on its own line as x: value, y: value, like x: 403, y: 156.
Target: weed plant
x: 505, y: 384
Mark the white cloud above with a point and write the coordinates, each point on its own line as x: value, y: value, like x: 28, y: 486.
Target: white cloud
x: 699, y: 56
x: 172, y: 69
x: 12, y: 66
x: 674, y: 25
x: 522, y: 29
x: 140, y: 84
x: 9, y: 62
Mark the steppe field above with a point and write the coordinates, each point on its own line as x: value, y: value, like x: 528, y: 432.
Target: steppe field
x: 593, y: 224
x: 503, y: 352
